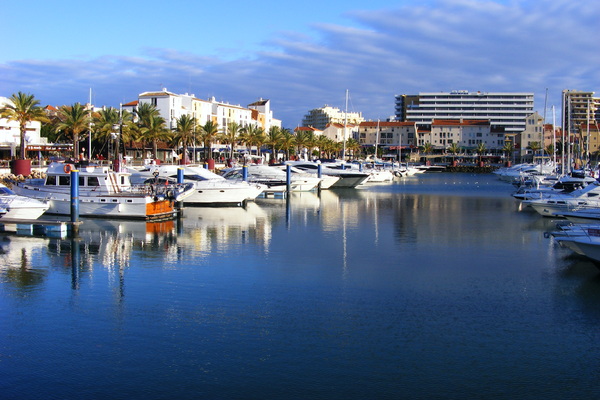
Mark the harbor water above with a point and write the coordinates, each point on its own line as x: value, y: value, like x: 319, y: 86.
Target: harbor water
x: 439, y: 286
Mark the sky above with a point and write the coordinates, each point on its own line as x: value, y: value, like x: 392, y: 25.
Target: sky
x: 300, y: 55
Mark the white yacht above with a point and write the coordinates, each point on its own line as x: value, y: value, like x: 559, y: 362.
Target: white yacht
x: 582, y: 239
x: 348, y: 178
x: 15, y: 206
x: 103, y: 193
x: 273, y: 178
x: 556, y: 205
x: 209, y: 189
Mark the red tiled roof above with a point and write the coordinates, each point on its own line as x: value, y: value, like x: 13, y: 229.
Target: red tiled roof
x: 385, y: 124
x: 131, y: 103
x: 460, y: 122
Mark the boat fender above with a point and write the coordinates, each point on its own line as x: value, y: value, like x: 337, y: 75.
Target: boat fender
x: 398, y: 174
x: 170, y: 194
x: 67, y: 168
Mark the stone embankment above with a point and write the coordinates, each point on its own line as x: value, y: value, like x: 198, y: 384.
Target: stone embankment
x: 9, y: 179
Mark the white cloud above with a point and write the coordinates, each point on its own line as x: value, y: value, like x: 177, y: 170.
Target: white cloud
x: 444, y: 45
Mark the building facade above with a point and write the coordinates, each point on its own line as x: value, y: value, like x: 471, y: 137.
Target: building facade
x: 503, y: 110
x: 321, y: 117
x: 578, y: 109
x: 388, y: 133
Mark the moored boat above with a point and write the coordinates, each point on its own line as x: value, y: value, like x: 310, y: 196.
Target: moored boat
x: 20, y: 207
x: 103, y: 193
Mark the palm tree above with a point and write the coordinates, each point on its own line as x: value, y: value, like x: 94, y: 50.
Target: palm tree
x: 509, y: 149
x: 258, y: 139
x: 73, y: 120
x: 427, y: 149
x: 273, y: 139
x: 535, y: 147
x: 230, y: 137
x: 480, y: 150
x: 353, y: 146
x: 454, y: 149
x: 106, y: 124
x: 23, y: 108
x: 208, y: 134
x: 185, y: 133
x: 288, y: 140
x: 155, y: 130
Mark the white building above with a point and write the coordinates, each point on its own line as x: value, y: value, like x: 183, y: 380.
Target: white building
x: 338, y: 133
x: 172, y: 106
x: 321, y: 117
x: 503, y: 110
x: 468, y: 134
x: 387, y: 133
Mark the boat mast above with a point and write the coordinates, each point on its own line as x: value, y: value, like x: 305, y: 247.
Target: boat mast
x: 345, y: 128
x: 376, y: 141
x: 90, y: 129
x: 543, y: 132
x: 554, y: 136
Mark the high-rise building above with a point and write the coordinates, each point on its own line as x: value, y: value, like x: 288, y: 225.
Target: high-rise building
x: 321, y: 117
x: 506, y: 111
x: 579, y: 108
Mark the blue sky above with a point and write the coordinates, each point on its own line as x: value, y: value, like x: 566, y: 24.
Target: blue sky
x: 301, y: 55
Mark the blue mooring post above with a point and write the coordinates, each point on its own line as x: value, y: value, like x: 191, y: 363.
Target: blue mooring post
x: 360, y: 167
x: 319, y: 171
x: 180, y: 175
x: 205, y: 165
x: 74, y: 200
x: 245, y: 173
x: 179, y: 204
x: 288, y: 177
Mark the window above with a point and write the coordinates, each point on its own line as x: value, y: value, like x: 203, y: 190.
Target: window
x: 50, y: 180
x: 64, y: 180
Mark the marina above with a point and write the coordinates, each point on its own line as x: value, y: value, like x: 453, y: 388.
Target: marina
x: 437, y: 285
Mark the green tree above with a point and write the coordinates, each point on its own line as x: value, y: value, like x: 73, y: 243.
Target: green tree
x: 23, y: 108
x: 155, y: 130
x: 231, y: 136
x: 454, y: 149
x: 480, y: 150
x: 509, y: 149
x: 208, y: 134
x: 74, y: 120
x: 273, y: 139
x: 185, y: 133
x: 288, y: 141
x: 353, y: 147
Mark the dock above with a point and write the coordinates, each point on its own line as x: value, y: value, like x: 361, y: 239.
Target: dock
x: 39, y: 227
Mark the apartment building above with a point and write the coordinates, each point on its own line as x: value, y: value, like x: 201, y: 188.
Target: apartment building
x: 320, y: 118
x: 579, y: 108
x: 505, y: 111
x: 172, y: 106
x: 467, y: 134
x: 387, y: 133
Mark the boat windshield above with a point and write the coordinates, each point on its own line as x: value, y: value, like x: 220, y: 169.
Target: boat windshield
x: 4, y: 191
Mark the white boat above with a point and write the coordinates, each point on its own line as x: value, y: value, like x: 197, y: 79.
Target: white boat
x: 103, y: 193
x: 348, y: 178
x: 556, y: 205
x: 563, y: 185
x: 584, y: 240
x: 20, y: 207
x: 209, y: 189
x: 273, y: 178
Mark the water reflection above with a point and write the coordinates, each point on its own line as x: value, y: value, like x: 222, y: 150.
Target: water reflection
x: 376, y: 292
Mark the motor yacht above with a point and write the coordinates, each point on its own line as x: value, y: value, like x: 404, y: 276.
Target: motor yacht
x: 209, y: 189
x: 15, y: 206
x: 273, y: 178
x: 348, y: 178
x: 103, y: 193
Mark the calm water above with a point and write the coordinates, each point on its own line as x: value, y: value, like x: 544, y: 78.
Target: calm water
x: 436, y: 287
